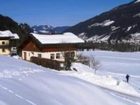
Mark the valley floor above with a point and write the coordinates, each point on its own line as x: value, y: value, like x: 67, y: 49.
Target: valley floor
x: 24, y: 83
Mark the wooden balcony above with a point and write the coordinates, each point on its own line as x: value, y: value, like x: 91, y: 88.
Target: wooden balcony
x: 4, y: 46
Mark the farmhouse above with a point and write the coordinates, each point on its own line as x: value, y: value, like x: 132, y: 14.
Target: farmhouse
x: 51, y: 47
x: 8, y: 42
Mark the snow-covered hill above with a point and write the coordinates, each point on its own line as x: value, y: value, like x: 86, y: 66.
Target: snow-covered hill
x: 120, y: 24
x: 23, y: 83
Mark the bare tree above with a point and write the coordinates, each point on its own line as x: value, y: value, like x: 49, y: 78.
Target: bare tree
x: 90, y: 61
x: 93, y: 63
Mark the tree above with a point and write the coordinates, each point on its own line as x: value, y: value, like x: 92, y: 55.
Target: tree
x: 25, y: 28
x: 90, y: 61
x: 93, y: 63
x: 69, y: 58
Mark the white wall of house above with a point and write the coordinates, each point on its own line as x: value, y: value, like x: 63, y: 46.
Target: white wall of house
x: 6, y: 42
x: 26, y: 55
x: 4, y: 50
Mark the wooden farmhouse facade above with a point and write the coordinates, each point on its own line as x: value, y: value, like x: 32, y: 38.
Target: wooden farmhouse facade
x: 53, y: 47
x: 7, y: 43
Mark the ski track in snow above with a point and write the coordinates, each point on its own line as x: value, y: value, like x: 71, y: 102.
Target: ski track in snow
x: 117, y: 75
x: 126, y: 99
x: 12, y: 74
x: 17, y: 95
x: 123, y: 75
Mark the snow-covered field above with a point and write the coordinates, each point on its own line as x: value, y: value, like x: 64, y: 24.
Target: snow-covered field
x: 119, y: 64
x: 24, y: 83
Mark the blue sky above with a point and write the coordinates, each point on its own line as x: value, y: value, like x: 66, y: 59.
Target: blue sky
x: 55, y: 12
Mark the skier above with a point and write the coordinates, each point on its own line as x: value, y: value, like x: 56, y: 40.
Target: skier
x: 127, y: 78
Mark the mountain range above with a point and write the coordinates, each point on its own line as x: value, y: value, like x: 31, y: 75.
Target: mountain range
x: 48, y: 29
x: 121, y: 24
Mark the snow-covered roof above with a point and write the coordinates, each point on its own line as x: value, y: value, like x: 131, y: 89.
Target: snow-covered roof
x: 8, y: 33
x: 58, y: 38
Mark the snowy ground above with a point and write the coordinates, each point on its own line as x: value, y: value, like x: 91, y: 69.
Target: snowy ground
x: 24, y: 83
x: 119, y: 64
x: 116, y: 65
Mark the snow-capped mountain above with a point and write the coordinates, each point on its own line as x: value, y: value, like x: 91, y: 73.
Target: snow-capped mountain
x: 43, y: 29
x: 119, y: 24
x: 47, y: 29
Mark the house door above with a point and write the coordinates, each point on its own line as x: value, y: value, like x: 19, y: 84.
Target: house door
x: 25, y: 55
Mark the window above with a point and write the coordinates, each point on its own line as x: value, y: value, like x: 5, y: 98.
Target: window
x: 52, y: 56
x: 72, y: 54
x: 28, y: 54
x: 39, y: 55
x: 3, y: 43
x: 13, y: 49
x: 32, y: 53
x: 3, y: 50
x: 57, y: 55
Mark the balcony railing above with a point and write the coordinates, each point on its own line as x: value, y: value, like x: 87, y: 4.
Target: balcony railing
x: 4, y: 46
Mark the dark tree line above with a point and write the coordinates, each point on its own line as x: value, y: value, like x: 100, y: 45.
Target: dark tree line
x: 117, y: 47
x: 22, y: 29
